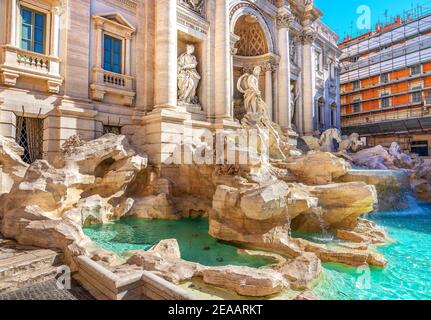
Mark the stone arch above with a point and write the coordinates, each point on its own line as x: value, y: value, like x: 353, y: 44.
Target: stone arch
x: 242, y: 9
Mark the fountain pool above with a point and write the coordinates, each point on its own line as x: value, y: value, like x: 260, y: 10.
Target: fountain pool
x: 192, y: 235
x: 408, y: 275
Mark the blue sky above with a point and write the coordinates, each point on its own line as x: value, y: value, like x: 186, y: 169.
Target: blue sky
x: 341, y: 15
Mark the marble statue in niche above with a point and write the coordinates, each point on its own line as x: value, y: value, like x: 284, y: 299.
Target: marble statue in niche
x: 248, y: 85
x: 257, y: 113
x: 188, y: 77
x: 294, y: 96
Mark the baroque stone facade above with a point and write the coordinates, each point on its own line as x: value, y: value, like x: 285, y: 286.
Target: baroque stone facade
x: 90, y: 67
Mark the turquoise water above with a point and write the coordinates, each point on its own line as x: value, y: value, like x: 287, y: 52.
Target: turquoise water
x: 192, y: 235
x: 408, y: 274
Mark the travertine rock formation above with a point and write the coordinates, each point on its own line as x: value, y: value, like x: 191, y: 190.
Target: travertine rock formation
x: 318, y: 167
x: 12, y: 168
x: 393, y: 186
x: 400, y: 159
x: 374, y: 158
x: 421, y: 180
x: 340, y: 206
x: 332, y: 141
x: 255, y: 205
x: 165, y: 260
x: 87, y: 184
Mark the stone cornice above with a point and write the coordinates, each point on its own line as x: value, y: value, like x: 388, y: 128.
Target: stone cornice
x: 191, y: 20
x: 128, y: 5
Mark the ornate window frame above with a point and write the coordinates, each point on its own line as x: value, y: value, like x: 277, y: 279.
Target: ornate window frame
x: 16, y: 62
x: 103, y: 81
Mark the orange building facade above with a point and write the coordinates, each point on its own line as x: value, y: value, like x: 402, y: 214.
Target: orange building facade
x: 386, y: 85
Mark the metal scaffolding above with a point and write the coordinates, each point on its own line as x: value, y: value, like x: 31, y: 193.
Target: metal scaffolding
x: 403, y: 44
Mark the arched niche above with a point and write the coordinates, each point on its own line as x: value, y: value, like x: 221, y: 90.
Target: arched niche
x: 246, y: 9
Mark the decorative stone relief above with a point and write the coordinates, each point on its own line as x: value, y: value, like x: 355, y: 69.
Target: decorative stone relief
x: 197, y: 6
x: 293, y: 49
x: 188, y: 77
x: 284, y: 20
x: 308, y: 35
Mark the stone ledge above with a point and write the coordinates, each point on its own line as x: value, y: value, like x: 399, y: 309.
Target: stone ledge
x: 104, y: 284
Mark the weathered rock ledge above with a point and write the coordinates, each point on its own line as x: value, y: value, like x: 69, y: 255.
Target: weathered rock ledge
x: 257, y: 206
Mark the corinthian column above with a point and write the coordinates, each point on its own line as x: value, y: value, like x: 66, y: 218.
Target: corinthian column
x: 284, y: 20
x: 166, y: 54
x: 223, y: 62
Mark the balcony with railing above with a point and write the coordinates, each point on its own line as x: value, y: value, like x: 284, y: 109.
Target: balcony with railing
x: 16, y: 63
x: 115, y: 84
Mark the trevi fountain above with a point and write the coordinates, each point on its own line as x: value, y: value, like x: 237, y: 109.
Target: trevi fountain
x: 251, y: 210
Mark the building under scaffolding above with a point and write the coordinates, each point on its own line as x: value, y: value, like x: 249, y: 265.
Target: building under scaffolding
x: 386, y: 83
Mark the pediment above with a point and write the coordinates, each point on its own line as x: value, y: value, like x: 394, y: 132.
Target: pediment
x: 116, y: 18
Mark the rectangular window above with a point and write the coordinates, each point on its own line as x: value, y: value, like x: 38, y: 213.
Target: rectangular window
x: 416, y: 97
x: 386, y: 103
x: 356, y: 106
x: 416, y: 86
x: 420, y: 148
x: 112, y: 54
x: 32, y: 30
x: 356, y: 85
x: 384, y: 78
x: 415, y: 70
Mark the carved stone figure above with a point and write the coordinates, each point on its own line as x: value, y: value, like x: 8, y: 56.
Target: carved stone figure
x: 248, y: 85
x: 257, y: 113
x: 188, y: 77
x: 294, y: 96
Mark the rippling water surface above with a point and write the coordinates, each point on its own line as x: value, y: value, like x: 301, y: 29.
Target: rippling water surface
x: 192, y: 235
x: 408, y: 275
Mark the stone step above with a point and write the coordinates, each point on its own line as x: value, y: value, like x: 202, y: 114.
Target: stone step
x: 22, y: 268
x: 15, y: 283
